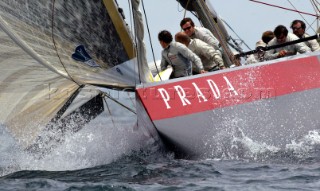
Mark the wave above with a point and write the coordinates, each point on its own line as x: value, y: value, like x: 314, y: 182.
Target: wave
x: 235, y: 145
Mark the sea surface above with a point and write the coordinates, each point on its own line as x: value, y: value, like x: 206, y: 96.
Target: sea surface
x: 101, y: 158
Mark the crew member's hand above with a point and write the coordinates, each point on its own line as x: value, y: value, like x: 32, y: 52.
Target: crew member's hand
x: 282, y: 53
x: 203, y: 71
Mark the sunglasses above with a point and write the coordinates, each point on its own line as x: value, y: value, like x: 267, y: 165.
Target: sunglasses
x: 187, y: 28
x: 296, y: 28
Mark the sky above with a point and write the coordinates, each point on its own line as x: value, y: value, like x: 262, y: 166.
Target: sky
x: 248, y: 19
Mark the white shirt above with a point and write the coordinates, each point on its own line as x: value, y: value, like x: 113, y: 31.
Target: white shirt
x: 291, y: 49
x: 312, y: 44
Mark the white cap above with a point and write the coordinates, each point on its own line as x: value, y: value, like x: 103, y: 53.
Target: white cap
x: 261, y: 43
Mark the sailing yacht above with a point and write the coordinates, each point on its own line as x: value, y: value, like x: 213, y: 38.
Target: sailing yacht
x: 271, y: 103
x: 61, y: 59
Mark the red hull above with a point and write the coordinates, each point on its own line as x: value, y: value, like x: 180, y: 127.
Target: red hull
x: 190, y: 108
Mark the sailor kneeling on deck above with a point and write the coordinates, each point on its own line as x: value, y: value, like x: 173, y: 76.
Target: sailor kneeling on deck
x: 178, y: 56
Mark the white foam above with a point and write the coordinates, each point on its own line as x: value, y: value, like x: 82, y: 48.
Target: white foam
x: 305, y: 144
x: 100, y: 142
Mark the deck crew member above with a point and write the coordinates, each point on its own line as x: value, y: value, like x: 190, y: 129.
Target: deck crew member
x: 210, y: 58
x: 282, y: 36
x: 178, y: 56
x: 201, y: 33
x: 259, y: 56
x: 299, y: 28
x: 267, y: 36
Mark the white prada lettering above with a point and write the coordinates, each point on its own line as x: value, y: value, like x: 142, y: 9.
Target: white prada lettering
x: 165, y: 96
x: 182, y: 95
x: 199, y: 93
x: 193, y: 94
x: 214, y: 88
x: 231, y: 88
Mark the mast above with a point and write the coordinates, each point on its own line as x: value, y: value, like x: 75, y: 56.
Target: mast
x: 208, y: 17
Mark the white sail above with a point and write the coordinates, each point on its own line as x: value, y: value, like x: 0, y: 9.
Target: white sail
x: 51, y: 51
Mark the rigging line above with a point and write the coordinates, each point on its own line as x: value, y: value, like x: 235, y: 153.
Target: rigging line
x: 185, y: 10
x: 301, y: 15
x: 315, y: 5
x: 130, y: 13
x: 315, y: 2
x: 133, y: 102
x: 54, y: 43
x: 225, y: 22
x: 154, y: 59
x: 314, y: 22
x: 284, y: 8
x: 105, y: 101
x: 220, y: 35
x: 121, y: 104
x: 196, y: 16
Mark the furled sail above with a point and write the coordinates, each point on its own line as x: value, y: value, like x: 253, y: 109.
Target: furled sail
x: 51, y: 51
x: 145, y: 73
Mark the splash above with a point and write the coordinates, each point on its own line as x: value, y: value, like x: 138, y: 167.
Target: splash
x: 235, y: 145
x: 9, y: 151
x: 306, y: 146
x: 100, y: 142
x: 231, y: 143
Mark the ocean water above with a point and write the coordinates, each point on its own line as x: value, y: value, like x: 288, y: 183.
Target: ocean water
x: 102, y: 157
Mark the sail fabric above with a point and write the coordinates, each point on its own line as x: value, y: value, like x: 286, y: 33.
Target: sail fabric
x: 43, y: 64
x: 53, y: 29
x: 30, y: 94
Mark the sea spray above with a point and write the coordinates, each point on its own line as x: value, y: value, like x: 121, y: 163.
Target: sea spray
x: 9, y: 150
x: 233, y: 144
x: 103, y: 140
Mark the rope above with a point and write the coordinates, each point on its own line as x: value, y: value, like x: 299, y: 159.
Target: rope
x: 111, y: 98
x: 147, y: 24
x: 54, y: 43
x: 130, y: 12
x: 185, y: 10
x: 236, y: 34
x: 105, y: 101
x: 284, y: 8
x: 301, y: 15
x: 133, y: 102
x: 220, y: 34
x: 315, y: 5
